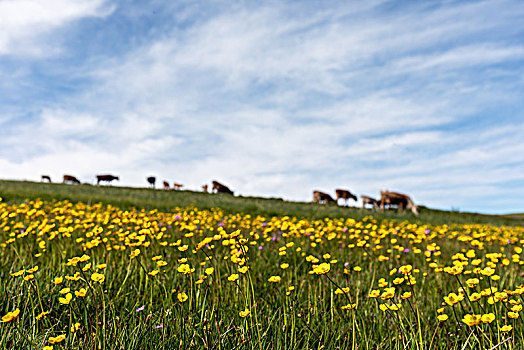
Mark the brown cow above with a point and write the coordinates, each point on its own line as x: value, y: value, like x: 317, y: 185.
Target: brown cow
x: 322, y: 197
x: 369, y: 200
x: 46, y: 178
x: 166, y: 185
x: 345, y: 195
x: 402, y: 200
x: 204, y: 188
x: 219, y: 188
x: 177, y: 186
x: 70, y: 179
x: 107, y: 178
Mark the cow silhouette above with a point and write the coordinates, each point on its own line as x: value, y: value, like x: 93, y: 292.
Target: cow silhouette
x: 106, y: 177
x: 70, y: 179
x: 219, y: 188
x: 151, y: 180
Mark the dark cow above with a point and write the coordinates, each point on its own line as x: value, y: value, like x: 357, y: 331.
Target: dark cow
x: 219, y: 188
x: 166, y: 185
x: 46, y: 178
x: 106, y: 177
x: 177, y: 186
x: 345, y: 195
x: 369, y: 200
x: 70, y: 179
x: 394, y: 198
x: 322, y: 197
x: 152, y: 181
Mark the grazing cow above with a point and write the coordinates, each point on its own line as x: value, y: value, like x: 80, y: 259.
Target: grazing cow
x: 219, y: 188
x: 166, y: 185
x: 369, y: 200
x: 345, y: 195
x: 151, y: 180
x: 177, y: 186
x: 46, y: 178
x: 204, y: 188
x: 70, y: 179
x: 322, y: 197
x: 402, y: 200
x: 107, y: 178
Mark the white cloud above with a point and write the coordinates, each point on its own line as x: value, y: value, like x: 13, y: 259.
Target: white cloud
x: 24, y: 23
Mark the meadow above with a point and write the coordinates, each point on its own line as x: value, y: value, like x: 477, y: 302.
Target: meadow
x: 85, y: 267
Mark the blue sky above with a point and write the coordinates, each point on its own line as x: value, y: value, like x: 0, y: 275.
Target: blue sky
x: 274, y: 98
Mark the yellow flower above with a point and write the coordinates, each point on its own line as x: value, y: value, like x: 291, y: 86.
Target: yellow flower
x: 64, y: 291
x: 406, y: 295
x: 33, y: 270
x: 153, y: 273
x: 48, y: 347
x: 29, y: 277
x: 161, y: 263
x: 98, y: 277
x: 472, y: 282
x: 18, y: 273
x: 233, y: 277
x: 321, y: 269
x: 398, y: 280
x: 374, y: 293
x: 274, y: 279
x: 442, y: 317
x: 185, y: 269
x: 101, y: 266
x: 209, y: 270
x: 488, y: 271
x: 471, y: 320
x: 512, y: 314
x: 405, y: 269
x: 57, y: 339
x: 75, y: 327
x: 243, y: 269
x: 87, y: 267
x: 488, y: 318
x: 357, y: 269
x: 134, y: 253
x: 58, y: 280
x: 66, y: 300
x: 474, y: 297
x: 506, y: 328
x: 13, y: 315
x: 516, y: 308
x: 453, y: 299
x: 284, y: 266
x: 41, y: 315
x: 244, y: 313
x: 81, y: 293
x: 342, y: 291
x: 388, y: 293
x: 349, y: 306
x: 182, y: 297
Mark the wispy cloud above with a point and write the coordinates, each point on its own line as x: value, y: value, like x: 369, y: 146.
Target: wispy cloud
x: 274, y: 99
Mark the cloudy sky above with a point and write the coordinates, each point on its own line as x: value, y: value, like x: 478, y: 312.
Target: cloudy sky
x: 273, y: 98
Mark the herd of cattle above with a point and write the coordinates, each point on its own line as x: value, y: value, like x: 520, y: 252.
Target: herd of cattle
x: 387, y: 198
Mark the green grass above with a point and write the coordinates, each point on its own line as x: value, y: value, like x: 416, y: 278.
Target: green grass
x: 49, y: 232
x: 128, y: 197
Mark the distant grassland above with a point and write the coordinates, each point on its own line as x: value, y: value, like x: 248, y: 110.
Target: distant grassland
x: 145, y: 198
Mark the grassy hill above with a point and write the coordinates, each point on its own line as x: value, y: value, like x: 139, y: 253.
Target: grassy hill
x: 127, y: 197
